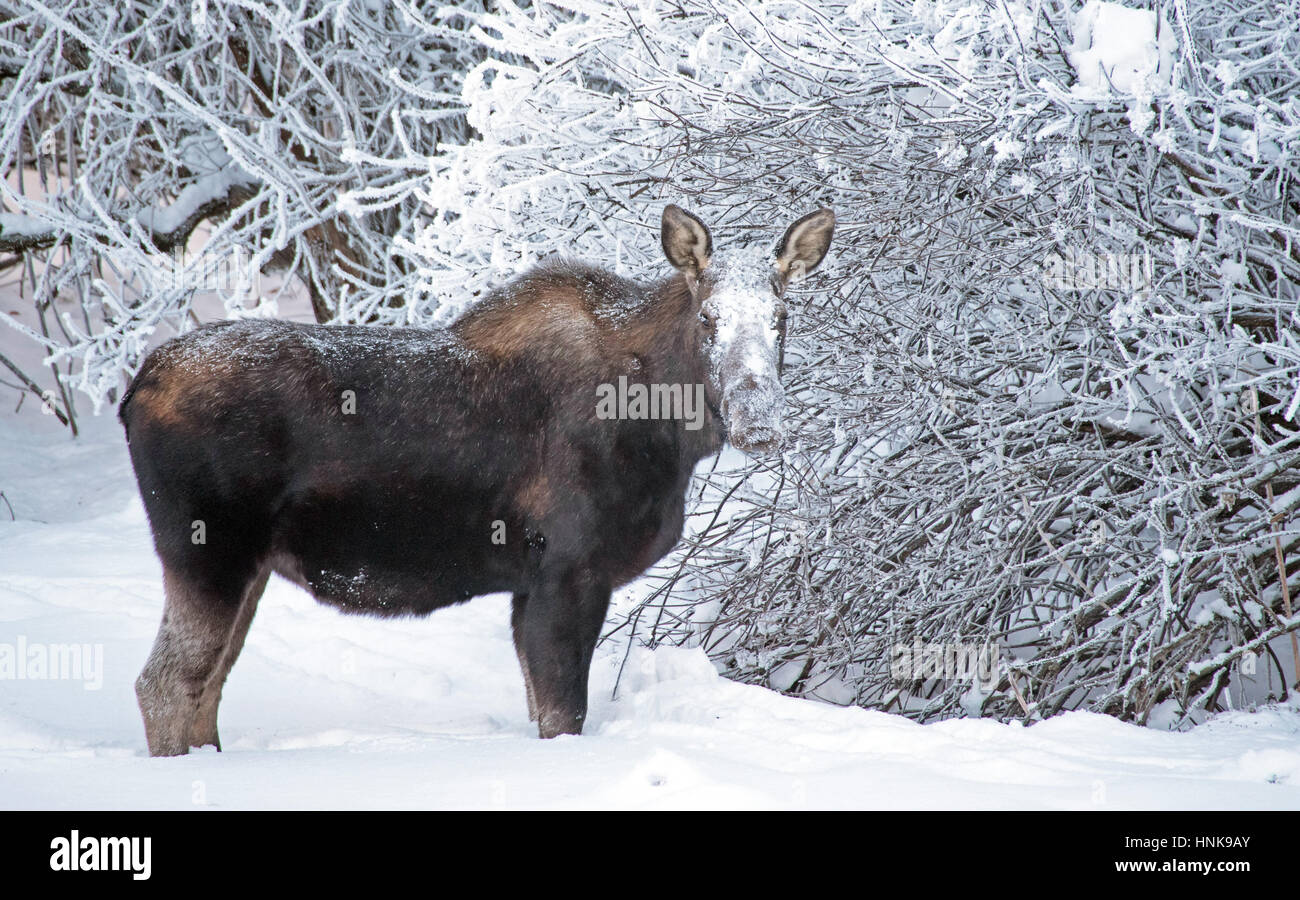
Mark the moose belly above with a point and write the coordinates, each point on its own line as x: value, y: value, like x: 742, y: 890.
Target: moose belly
x: 395, y: 550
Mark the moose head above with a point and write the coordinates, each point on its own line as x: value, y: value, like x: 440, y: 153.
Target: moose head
x: 738, y: 300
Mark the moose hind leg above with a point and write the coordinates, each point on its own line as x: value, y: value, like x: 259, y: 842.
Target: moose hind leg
x: 517, y: 607
x: 204, y: 729
x: 561, y: 623
x: 197, y: 624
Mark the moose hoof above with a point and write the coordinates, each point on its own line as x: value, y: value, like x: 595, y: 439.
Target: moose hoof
x: 166, y: 747
x: 208, y: 741
x: 551, y: 725
x: 203, y: 731
x: 167, y: 723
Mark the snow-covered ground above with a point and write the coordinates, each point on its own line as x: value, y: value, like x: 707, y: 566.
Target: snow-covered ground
x: 330, y: 711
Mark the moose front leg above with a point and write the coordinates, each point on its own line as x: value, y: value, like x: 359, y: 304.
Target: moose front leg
x: 517, y: 607
x: 561, y: 624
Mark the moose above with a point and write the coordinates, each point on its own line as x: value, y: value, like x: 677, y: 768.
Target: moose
x: 394, y: 471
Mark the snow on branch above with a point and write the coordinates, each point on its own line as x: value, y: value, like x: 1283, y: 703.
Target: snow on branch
x: 146, y: 144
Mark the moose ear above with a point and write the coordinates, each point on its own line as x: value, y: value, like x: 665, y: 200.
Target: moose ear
x: 687, y: 243
x: 804, y: 245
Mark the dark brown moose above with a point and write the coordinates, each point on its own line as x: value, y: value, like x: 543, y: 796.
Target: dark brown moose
x: 393, y: 471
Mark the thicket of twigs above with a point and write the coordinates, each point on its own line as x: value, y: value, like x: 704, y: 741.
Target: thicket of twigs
x: 998, y: 445
x: 993, y: 441
x: 133, y: 124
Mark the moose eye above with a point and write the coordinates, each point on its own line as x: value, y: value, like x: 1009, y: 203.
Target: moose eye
x: 706, y: 320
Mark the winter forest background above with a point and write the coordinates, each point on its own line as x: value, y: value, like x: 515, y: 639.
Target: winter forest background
x: 1042, y: 396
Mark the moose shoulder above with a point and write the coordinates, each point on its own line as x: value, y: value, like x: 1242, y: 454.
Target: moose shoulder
x: 395, y: 471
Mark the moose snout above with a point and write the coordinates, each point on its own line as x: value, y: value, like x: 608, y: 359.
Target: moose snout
x: 758, y: 441
x: 752, y: 409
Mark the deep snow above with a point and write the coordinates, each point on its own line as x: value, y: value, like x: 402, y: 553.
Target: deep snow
x: 332, y: 711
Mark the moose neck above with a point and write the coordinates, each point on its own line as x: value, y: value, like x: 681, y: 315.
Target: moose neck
x: 665, y: 339
x: 572, y: 324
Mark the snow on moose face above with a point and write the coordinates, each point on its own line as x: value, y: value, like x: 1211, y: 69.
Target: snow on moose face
x: 744, y: 332
x: 742, y: 317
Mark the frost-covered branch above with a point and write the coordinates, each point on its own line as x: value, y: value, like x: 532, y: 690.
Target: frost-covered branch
x: 149, y: 144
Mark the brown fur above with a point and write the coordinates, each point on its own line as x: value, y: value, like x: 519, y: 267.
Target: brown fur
x: 545, y: 310
x: 162, y: 403
x: 537, y: 497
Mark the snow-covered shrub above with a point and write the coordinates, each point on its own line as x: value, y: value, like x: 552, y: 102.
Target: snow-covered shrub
x: 124, y: 127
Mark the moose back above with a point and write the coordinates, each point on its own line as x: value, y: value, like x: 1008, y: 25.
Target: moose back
x: 395, y: 471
